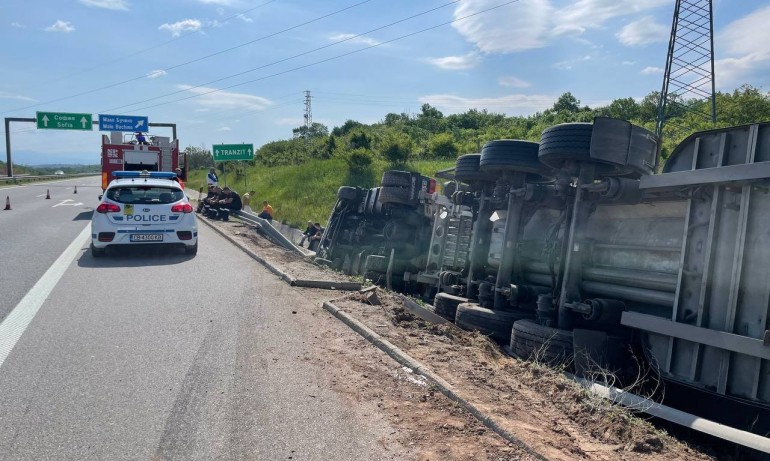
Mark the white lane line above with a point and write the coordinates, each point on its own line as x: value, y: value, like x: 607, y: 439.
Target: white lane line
x: 20, y: 317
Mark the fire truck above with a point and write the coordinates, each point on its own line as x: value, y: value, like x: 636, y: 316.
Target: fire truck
x: 124, y: 152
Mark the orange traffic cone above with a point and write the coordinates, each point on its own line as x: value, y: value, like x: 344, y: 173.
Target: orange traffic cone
x: 7, y: 203
x: 76, y: 190
x: 47, y: 194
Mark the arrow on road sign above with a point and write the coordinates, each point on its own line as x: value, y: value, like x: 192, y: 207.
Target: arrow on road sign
x: 139, y: 124
x: 83, y: 121
x: 45, y: 120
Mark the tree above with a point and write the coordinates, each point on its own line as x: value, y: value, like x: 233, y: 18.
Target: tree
x: 359, y: 140
x: 442, y: 145
x: 316, y: 130
x: 396, y: 147
x: 566, y: 103
x: 198, y: 157
x: 346, y: 128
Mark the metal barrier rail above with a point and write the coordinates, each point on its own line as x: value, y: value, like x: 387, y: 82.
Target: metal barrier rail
x: 271, y: 231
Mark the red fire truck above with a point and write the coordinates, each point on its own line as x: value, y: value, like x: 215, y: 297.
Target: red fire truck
x: 124, y: 152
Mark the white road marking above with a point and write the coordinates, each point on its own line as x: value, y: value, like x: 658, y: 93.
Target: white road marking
x: 65, y: 202
x: 20, y: 317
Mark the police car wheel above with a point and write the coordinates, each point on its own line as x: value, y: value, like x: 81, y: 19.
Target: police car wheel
x: 97, y: 252
x: 192, y: 250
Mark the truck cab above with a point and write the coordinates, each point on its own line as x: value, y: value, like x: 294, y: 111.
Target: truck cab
x: 124, y: 152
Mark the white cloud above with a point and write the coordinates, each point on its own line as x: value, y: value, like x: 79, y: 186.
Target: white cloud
x: 738, y: 42
x: 628, y: 63
x: 643, y: 32
x: 107, y: 4
x: 463, y: 62
x: 18, y: 97
x: 157, y: 73
x: 650, y: 70
x: 514, y: 104
x: 225, y: 128
x: 178, y: 27
x: 17, y: 25
x: 352, y: 38
x: 60, y: 26
x: 514, y: 82
x: 531, y: 24
x: 219, y: 2
x: 521, y: 26
x: 244, y: 18
x: 568, y: 64
x: 226, y: 99
x: 201, y: 110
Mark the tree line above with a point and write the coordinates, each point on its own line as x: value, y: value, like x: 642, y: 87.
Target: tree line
x: 400, y: 138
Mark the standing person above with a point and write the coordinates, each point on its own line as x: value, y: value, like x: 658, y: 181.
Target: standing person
x: 247, y: 201
x: 140, y: 139
x: 178, y: 178
x: 267, y: 211
x: 212, y: 178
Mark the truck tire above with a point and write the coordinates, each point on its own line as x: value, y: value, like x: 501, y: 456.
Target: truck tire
x: 495, y: 324
x: 572, y: 142
x: 446, y: 305
x: 393, y: 194
x: 347, y: 193
x: 396, y: 178
x: 512, y: 155
x: 467, y: 169
x: 551, y: 346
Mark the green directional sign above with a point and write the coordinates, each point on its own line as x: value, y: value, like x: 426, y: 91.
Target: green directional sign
x: 64, y: 121
x: 227, y: 152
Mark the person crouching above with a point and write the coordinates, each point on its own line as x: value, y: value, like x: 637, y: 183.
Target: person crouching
x: 231, y: 202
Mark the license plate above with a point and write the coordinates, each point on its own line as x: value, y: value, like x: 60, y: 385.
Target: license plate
x: 146, y: 237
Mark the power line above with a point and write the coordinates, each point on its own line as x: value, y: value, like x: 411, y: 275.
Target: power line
x: 327, y: 59
x: 264, y: 66
x: 136, y: 53
x: 176, y: 66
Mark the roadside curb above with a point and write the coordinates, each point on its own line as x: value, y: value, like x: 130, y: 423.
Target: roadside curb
x: 281, y: 274
x: 419, y: 368
x: 299, y: 283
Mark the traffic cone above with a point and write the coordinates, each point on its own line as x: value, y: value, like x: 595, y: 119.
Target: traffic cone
x: 76, y: 190
x: 47, y: 194
x: 7, y: 203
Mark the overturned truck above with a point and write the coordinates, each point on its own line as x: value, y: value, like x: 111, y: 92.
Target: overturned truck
x: 574, y: 250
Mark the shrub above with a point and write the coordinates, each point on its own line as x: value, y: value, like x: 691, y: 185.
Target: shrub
x: 359, y: 160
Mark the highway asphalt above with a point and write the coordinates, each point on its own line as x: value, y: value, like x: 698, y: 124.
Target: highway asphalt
x: 153, y: 354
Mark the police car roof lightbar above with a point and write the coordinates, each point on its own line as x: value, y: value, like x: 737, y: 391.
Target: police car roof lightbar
x: 144, y: 174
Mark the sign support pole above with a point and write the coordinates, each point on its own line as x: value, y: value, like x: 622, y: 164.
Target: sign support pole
x: 8, y: 120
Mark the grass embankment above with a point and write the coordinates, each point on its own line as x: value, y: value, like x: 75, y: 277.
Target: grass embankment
x: 299, y: 193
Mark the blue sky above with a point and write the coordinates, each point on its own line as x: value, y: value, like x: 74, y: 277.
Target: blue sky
x: 176, y: 61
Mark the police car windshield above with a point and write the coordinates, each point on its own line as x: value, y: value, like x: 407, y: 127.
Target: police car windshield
x: 145, y: 195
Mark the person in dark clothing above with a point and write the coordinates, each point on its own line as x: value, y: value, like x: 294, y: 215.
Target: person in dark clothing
x: 209, y: 194
x: 309, y: 232
x: 141, y: 140
x: 315, y: 240
x: 211, y: 202
x: 231, y: 202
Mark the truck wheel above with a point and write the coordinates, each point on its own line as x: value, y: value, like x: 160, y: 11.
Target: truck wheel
x: 446, y: 305
x: 393, y: 194
x: 530, y: 340
x: 512, y: 155
x: 467, y: 169
x: 495, y: 324
x: 97, y: 252
x: 347, y: 193
x: 572, y: 142
x: 396, y: 178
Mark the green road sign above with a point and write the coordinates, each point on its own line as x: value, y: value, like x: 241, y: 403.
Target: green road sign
x: 63, y: 121
x: 226, y: 152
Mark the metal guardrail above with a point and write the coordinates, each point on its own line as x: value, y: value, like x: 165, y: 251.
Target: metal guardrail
x: 16, y: 179
x: 271, y: 231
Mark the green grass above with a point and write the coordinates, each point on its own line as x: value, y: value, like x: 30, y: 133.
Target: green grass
x: 308, y: 191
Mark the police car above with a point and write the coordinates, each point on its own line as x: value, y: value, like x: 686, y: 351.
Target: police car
x: 140, y: 208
